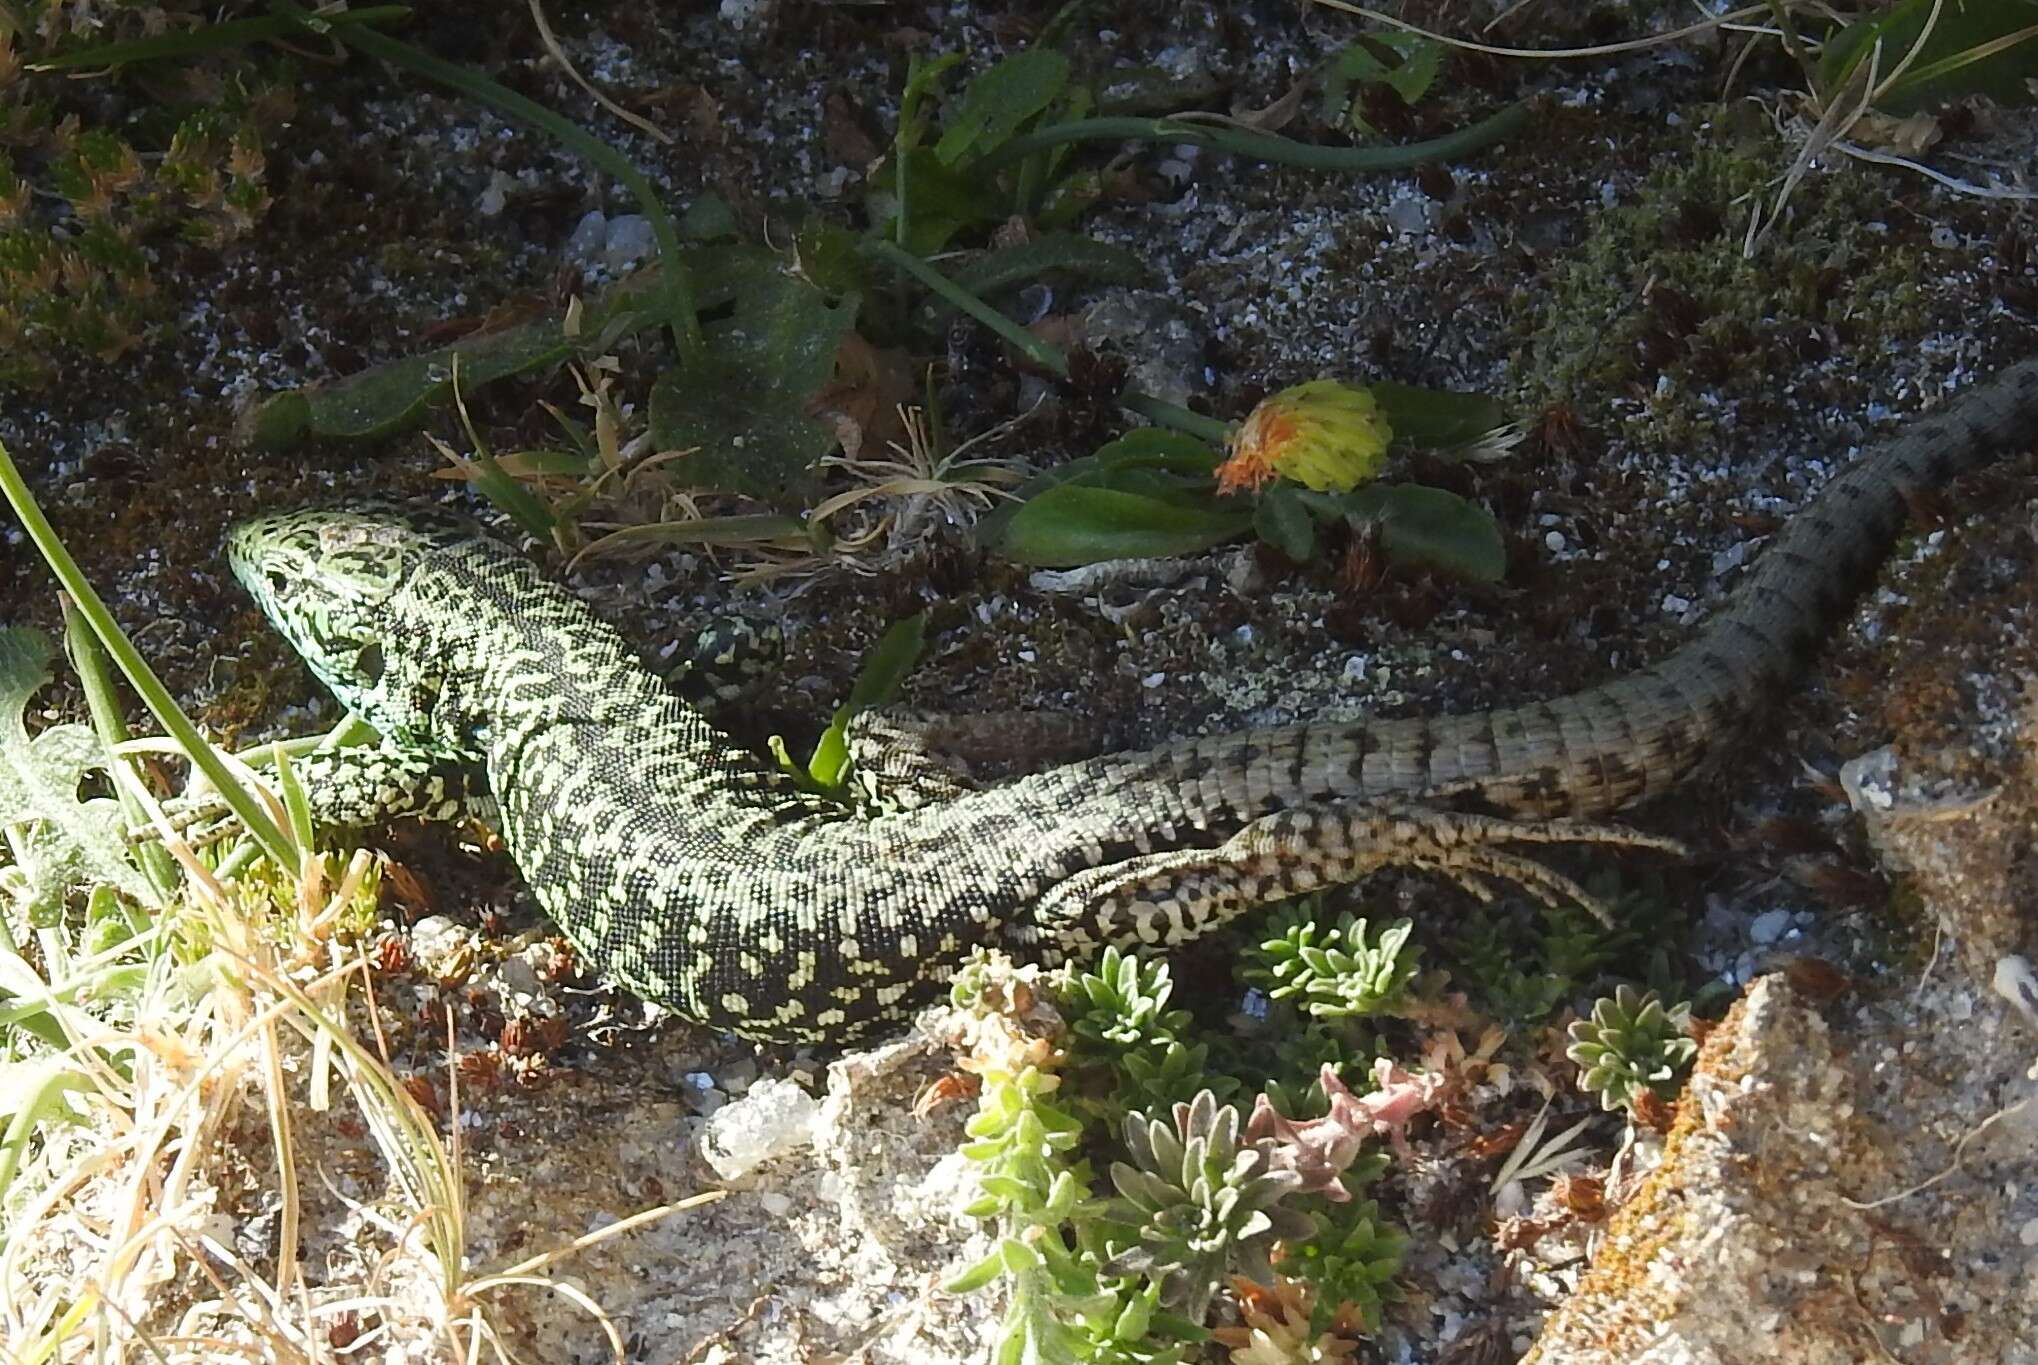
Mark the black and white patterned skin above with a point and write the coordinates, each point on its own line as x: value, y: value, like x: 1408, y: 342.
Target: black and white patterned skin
x: 692, y: 872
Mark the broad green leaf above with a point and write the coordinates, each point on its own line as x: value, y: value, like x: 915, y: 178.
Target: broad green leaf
x: 64, y: 842
x: 742, y: 405
x: 1427, y: 526
x: 395, y: 395
x: 1077, y: 524
x: 390, y: 397
x: 1976, y: 47
x: 708, y: 219
x: 1159, y: 447
x: 1115, y: 465
x: 939, y: 201
x: 1282, y: 520
x: 1436, y: 419
x: 997, y: 102
x: 829, y: 258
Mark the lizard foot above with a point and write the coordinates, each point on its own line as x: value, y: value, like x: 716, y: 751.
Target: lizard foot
x: 1171, y: 897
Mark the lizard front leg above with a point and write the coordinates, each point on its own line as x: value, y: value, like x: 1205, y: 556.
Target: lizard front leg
x: 359, y: 786
x: 1172, y: 897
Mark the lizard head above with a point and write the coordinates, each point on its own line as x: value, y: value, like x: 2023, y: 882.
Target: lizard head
x: 328, y: 577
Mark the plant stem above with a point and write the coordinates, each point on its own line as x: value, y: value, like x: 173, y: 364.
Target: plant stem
x: 96, y: 680
x: 137, y: 671
x: 1165, y: 414
x: 906, y: 263
x: 1263, y: 146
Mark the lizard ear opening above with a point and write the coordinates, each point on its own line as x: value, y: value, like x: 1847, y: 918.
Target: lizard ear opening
x: 368, y: 663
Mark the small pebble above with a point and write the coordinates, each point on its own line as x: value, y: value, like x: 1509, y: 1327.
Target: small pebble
x: 1769, y: 926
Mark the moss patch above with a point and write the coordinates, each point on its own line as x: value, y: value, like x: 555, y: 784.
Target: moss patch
x: 1663, y: 287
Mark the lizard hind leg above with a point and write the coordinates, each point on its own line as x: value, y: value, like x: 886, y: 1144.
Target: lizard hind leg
x: 1348, y: 842
x: 1172, y: 897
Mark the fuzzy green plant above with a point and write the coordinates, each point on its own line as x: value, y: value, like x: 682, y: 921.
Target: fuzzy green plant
x: 1197, y: 1200
x: 1351, y: 1258
x: 1050, y: 1243
x: 1119, y: 1014
x: 1336, y: 972
x: 1629, y: 1045
x: 1521, y: 967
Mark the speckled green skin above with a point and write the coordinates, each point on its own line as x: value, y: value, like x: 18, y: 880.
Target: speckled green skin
x: 693, y: 873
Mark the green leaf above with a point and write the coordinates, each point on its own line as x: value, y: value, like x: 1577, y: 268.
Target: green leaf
x: 742, y: 405
x: 1417, y: 70
x: 941, y: 201
x: 184, y: 44
x: 887, y: 666
x: 1959, y: 57
x: 1077, y: 524
x: 389, y: 397
x: 1409, y: 76
x: 876, y: 684
x: 923, y: 78
x: 830, y: 258
x: 395, y: 395
x: 296, y: 805
x: 1436, y: 419
x: 1017, y: 1256
x: 1427, y: 526
x: 978, y: 1275
x: 1282, y: 520
x: 64, y: 842
x: 1118, y: 464
x: 1157, y: 447
x: 996, y: 103
x: 707, y: 219
x: 392, y: 396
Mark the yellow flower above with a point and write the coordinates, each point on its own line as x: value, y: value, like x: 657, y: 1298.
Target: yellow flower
x: 1324, y: 435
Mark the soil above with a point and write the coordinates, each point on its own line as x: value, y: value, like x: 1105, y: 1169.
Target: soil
x: 1680, y: 399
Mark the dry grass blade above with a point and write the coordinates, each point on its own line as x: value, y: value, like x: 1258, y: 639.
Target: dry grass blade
x: 1555, y: 53
x: 558, y: 54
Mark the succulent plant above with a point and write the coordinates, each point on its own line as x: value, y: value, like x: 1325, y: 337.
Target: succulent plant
x: 1277, y: 1328
x: 1351, y: 1261
x: 1341, y: 972
x: 1124, y: 999
x: 1199, y: 1201
x: 1118, y: 1011
x: 1631, y: 1044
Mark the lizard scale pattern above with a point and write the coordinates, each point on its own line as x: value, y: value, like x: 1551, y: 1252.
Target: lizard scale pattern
x: 691, y: 872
